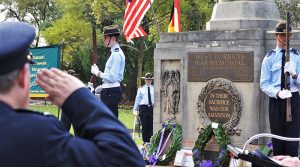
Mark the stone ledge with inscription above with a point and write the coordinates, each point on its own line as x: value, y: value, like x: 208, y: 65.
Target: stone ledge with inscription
x: 236, y: 66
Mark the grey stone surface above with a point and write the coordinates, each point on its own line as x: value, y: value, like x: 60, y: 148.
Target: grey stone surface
x: 171, y: 54
x: 243, y: 14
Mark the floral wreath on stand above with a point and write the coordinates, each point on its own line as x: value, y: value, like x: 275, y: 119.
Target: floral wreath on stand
x: 170, y: 133
x: 204, y: 136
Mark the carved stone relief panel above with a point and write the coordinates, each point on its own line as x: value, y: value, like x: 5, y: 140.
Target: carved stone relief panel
x: 170, y: 89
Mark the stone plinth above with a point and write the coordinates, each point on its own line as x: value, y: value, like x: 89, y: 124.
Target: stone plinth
x: 171, y: 54
x: 243, y: 14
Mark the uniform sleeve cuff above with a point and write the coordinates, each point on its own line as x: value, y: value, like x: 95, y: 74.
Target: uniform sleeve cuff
x: 274, y: 94
x: 101, y: 74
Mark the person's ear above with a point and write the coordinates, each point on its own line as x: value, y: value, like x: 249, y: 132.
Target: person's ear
x: 23, y: 77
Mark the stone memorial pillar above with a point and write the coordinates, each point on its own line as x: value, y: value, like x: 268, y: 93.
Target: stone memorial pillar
x: 204, y: 76
x: 243, y: 14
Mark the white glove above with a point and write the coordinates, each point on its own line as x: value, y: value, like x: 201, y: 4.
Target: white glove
x: 90, y: 86
x: 283, y: 94
x: 98, y: 89
x: 95, y: 69
x: 289, y: 67
x: 135, y: 112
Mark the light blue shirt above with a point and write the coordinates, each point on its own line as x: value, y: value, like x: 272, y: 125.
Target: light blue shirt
x: 115, y: 66
x: 142, y: 96
x: 270, y: 77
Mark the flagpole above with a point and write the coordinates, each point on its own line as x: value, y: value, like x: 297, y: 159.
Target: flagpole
x: 155, y: 21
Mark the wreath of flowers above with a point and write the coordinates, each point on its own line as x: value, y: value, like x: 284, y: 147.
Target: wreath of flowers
x: 204, y: 136
x: 159, y: 142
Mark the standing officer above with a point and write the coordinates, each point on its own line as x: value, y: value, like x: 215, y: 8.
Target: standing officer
x: 113, y: 74
x: 272, y: 83
x: 32, y: 139
x: 144, y: 101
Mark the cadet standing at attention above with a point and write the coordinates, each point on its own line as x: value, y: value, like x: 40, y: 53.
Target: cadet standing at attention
x: 144, y: 102
x: 113, y: 74
x: 272, y: 80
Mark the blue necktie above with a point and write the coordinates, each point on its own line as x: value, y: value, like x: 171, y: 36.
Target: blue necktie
x: 149, y: 97
x: 282, y: 69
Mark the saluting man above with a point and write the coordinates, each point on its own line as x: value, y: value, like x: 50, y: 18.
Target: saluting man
x: 34, y: 139
x: 113, y: 74
x: 144, y: 101
x: 272, y: 83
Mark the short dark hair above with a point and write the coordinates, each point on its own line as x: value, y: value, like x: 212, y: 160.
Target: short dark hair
x: 114, y: 35
x: 7, y: 81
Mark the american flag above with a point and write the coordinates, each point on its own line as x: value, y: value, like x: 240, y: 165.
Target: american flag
x: 134, y: 13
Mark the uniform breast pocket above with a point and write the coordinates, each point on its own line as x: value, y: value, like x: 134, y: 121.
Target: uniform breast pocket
x: 143, y: 92
x: 276, y: 72
x: 275, y: 67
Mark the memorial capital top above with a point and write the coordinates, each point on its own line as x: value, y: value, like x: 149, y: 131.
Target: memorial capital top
x: 243, y: 14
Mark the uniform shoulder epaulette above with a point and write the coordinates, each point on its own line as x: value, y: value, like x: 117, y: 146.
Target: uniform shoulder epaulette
x: 116, y: 50
x: 270, y: 52
x: 295, y: 51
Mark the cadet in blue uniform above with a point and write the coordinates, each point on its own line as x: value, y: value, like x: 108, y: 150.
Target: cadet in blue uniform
x: 272, y: 83
x: 32, y: 139
x: 144, y: 101
x: 113, y: 74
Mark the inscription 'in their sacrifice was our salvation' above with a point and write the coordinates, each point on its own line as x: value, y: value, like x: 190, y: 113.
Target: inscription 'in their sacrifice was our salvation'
x: 219, y: 106
x: 236, y: 66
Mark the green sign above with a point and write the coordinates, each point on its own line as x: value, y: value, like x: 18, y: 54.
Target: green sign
x: 44, y: 57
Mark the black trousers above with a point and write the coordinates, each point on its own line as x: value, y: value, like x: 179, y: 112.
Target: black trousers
x: 112, y: 97
x: 146, y: 116
x: 278, y: 125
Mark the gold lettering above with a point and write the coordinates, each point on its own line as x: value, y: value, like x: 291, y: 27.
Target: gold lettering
x: 218, y: 115
x: 218, y: 102
x: 201, y: 63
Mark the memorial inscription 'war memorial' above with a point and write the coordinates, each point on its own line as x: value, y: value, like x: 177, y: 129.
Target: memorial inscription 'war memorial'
x: 213, y: 75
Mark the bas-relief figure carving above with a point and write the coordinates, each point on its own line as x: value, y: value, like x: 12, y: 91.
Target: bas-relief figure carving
x: 171, y: 92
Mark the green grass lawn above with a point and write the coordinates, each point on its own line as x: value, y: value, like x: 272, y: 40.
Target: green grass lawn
x: 125, y: 116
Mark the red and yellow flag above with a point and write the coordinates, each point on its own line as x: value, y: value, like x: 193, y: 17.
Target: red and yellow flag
x: 174, y: 25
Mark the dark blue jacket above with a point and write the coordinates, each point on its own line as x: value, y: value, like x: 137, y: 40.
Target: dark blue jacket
x: 30, y: 139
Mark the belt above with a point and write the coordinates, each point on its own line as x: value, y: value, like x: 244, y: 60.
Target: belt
x: 111, y: 85
x: 146, y: 105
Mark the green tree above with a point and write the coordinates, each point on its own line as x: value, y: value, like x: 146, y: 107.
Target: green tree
x: 293, y: 6
x: 39, y: 13
x: 139, y: 56
x: 73, y: 30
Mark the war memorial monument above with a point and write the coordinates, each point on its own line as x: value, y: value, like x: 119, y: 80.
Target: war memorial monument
x: 214, y: 74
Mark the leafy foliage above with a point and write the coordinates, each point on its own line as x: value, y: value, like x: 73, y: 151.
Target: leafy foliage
x: 293, y: 6
x: 73, y: 30
x: 204, y: 136
x: 175, y: 144
x: 39, y: 13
